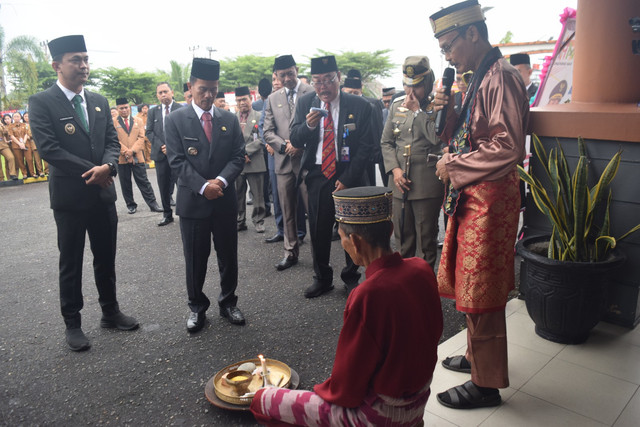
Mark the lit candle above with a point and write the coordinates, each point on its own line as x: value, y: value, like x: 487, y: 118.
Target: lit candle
x: 263, y: 363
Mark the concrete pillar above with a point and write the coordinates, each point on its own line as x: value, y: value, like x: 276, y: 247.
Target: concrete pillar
x: 605, y: 70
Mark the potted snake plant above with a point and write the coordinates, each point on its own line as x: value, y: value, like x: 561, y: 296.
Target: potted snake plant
x: 567, y: 273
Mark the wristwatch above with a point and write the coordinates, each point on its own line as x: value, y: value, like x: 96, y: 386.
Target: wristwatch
x: 113, y: 171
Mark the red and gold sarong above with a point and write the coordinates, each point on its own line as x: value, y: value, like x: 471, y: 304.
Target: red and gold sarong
x: 476, y: 266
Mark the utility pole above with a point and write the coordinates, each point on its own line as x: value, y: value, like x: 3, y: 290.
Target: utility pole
x: 211, y: 50
x: 193, y: 50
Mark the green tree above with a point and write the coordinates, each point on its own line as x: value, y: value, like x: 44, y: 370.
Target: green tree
x: 508, y: 38
x: 126, y: 82
x: 372, y: 65
x: 246, y: 70
x: 178, y: 75
x: 18, y: 65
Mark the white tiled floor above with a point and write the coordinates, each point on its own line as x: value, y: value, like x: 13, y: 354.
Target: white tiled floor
x: 592, y: 384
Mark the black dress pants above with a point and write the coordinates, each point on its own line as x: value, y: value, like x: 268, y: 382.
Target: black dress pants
x: 166, y: 182
x: 196, y: 241
x: 142, y: 181
x: 101, y: 223
x: 321, y: 220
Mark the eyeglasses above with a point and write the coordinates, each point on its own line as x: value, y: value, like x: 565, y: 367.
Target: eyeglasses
x: 447, y: 49
x: 323, y: 82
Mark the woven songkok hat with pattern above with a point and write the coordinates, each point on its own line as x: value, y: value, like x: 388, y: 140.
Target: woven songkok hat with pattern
x: 456, y: 16
x: 363, y: 205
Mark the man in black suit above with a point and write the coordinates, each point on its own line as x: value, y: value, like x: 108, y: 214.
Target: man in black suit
x: 155, y: 132
x: 74, y: 133
x: 205, y: 148
x: 337, y: 152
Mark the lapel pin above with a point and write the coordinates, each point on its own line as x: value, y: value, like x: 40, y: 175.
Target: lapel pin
x: 223, y: 128
x: 351, y: 116
x: 98, y: 109
x: 192, y: 151
x: 70, y: 128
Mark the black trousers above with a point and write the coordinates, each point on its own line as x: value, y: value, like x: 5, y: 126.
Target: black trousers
x: 140, y: 175
x: 101, y: 223
x: 321, y: 220
x: 166, y: 182
x: 196, y: 241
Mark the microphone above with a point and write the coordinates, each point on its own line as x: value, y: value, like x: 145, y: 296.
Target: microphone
x: 447, y: 82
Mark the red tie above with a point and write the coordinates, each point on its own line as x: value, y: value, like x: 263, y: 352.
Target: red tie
x: 126, y: 124
x: 328, y: 147
x: 208, y: 127
x: 166, y: 110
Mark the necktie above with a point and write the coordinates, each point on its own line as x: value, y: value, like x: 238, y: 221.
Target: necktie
x: 291, y: 102
x: 77, y: 105
x: 126, y: 124
x: 208, y: 127
x: 328, y: 147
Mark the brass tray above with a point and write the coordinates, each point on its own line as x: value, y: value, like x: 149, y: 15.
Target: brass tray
x: 221, y: 394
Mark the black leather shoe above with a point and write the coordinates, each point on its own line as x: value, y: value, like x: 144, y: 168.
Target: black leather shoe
x: 132, y: 210
x: 119, y: 321
x: 275, y: 239
x: 316, y: 289
x: 166, y: 220
x: 242, y: 227
x: 155, y: 208
x: 76, y: 340
x: 233, y: 314
x: 172, y: 202
x: 288, y: 261
x: 14, y: 177
x: 195, y: 322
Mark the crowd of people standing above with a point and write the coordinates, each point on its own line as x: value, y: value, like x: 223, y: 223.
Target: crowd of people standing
x: 310, y: 149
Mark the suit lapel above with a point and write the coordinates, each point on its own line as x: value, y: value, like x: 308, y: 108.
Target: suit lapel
x: 91, y: 109
x: 216, y: 131
x: 66, y: 105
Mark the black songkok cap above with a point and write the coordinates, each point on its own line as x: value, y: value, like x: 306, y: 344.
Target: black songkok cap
x: 353, y: 83
x: 185, y: 88
x: 220, y: 95
x: 388, y: 91
x: 242, y: 91
x: 122, y: 101
x: 264, y: 87
x: 67, y: 44
x: 205, y: 69
x: 283, y: 62
x: 354, y: 74
x: 324, y: 64
x: 519, y: 58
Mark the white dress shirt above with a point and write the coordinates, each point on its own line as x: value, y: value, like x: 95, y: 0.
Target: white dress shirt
x: 70, y: 94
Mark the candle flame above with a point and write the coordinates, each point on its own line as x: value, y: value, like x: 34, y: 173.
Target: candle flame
x: 261, y: 357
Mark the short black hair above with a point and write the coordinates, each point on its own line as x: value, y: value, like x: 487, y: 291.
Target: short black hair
x: 58, y: 57
x: 480, y: 26
x: 164, y: 83
x: 377, y: 235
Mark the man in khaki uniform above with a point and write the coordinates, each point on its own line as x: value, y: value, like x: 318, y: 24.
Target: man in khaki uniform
x: 254, y: 166
x: 411, y: 124
x: 131, y: 161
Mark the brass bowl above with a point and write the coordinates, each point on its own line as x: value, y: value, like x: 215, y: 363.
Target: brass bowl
x: 239, y: 381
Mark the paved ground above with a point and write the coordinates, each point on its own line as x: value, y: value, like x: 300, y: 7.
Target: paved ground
x: 155, y: 375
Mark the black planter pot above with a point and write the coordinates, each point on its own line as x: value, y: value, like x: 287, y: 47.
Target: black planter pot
x: 564, y: 299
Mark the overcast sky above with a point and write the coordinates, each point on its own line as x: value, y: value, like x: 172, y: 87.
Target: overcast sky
x: 146, y: 35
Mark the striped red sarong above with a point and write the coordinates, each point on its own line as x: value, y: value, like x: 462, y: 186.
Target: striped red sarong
x: 476, y: 266
x: 280, y: 407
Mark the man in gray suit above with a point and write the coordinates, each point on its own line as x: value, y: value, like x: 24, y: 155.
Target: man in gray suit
x: 155, y: 132
x: 74, y: 133
x: 254, y: 164
x: 205, y: 149
x: 278, y: 117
